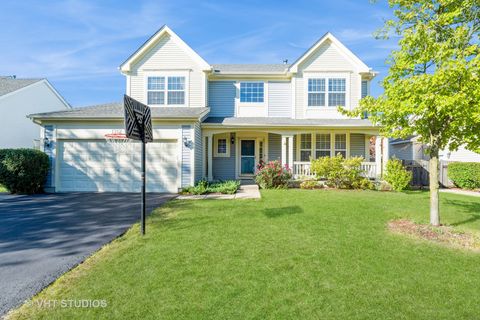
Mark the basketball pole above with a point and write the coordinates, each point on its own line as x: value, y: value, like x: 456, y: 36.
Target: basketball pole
x: 144, y: 144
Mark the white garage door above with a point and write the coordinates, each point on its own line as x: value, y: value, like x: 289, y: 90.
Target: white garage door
x: 93, y: 166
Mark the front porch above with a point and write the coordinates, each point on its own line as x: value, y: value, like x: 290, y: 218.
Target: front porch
x: 235, y: 153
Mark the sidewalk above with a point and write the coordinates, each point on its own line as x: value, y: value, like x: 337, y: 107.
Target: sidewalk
x: 248, y: 191
x: 462, y: 192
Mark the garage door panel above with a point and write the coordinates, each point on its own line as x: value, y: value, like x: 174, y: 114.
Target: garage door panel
x: 93, y: 166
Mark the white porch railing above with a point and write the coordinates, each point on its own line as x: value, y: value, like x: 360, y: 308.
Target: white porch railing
x: 302, y: 169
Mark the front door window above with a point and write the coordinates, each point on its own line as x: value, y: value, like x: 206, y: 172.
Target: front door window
x: 247, y: 162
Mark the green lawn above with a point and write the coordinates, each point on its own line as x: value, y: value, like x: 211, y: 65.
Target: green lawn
x: 294, y: 254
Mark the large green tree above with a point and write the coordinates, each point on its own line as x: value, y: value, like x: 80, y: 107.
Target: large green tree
x: 433, y: 85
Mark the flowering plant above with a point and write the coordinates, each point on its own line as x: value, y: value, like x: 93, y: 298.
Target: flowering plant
x: 272, y: 175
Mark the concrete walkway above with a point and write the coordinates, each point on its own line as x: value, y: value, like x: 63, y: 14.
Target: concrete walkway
x: 462, y: 192
x: 247, y: 191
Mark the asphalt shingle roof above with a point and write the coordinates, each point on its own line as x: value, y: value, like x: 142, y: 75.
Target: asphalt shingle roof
x: 250, y: 68
x: 115, y: 110
x: 262, y: 121
x: 8, y: 84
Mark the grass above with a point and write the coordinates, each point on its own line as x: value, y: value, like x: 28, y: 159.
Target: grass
x: 2, y: 188
x: 313, y: 254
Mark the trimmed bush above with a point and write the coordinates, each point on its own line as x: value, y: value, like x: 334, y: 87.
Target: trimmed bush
x: 396, y: 175
x: 465, y: 175
x: 272, y: 175
x: 341, y: 173
x: 310, y: 184
x: 23, y: 170
x: 204, y: 187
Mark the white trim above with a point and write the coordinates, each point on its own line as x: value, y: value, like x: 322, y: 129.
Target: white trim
x: 150, y: 43
x: 217, y: 137
x: 165, y: 74
x: 362, y: 67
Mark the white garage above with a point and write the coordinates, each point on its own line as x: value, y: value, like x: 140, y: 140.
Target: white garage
x: 91, y: 165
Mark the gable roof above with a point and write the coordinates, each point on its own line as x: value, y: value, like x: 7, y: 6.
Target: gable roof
x: 341, y: 48
x: 8, y: 84
x: 153, y: 40
x: 115, y: 110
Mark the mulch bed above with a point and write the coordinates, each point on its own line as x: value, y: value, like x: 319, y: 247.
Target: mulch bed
x: 444, y: 234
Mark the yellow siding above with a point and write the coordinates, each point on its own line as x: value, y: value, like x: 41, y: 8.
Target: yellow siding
x: 167, y: 55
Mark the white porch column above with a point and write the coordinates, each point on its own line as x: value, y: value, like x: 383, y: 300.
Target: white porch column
x: 378, y: 155
x: 385, y: 153
x: 284, y: 150
x: 290, y: 152
x: 210, y: 156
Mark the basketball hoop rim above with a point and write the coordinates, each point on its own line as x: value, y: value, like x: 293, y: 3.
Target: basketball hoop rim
x: 116, y: 136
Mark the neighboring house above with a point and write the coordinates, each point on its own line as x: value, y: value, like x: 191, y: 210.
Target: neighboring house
x: 216, y: 121
x: 411, y: 149
x: 19, y: 98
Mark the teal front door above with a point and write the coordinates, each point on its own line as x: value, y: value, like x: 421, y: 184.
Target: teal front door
x: 247, y: 157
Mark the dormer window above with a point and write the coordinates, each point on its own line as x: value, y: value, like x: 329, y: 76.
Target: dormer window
x: 166, y: 90
x: 252, y: 92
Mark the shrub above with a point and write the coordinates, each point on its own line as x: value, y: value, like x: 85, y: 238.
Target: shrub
x: 310, y: 184
x: 341, y: 173
x: 396, y: 175
x: 225, y: 187
x: 272, y: 175
x: 204, y: 187
x: 465, y: 175
x: 23, y: 170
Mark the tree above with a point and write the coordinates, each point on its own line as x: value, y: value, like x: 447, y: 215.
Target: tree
x: 433, y: 84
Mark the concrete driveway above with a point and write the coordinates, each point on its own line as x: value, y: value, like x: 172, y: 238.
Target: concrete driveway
x: 43, y: 236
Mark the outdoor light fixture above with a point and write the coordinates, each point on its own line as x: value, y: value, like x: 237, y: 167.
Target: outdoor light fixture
x: 232, y: 140
x: 46, y: 143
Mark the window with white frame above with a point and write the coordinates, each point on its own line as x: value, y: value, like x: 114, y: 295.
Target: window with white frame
x: 221, y: 146
x: 364, y: 88
x: 336, y: 92
x: 326, y: 91
x: 316, y: 92
x: 252, y: 92
x: 341, y: 144
x: 166, y: 90
x: 156, y: 90
x: 305, y: 146
x: 322, y: 145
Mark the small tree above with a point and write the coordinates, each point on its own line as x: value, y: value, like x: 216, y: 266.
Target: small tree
x: 433, y: 85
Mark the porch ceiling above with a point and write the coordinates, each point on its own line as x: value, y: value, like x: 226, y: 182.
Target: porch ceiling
x: 259, y: 122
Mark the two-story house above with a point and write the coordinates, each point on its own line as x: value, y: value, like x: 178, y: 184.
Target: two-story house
x: 216, y: 121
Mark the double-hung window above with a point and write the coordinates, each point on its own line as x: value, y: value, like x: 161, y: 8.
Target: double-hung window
x: 305, y: 146
x: 156, y: 90
x: 166, y: 90
x: 322, y: 92
x: 221, y: 146
x: 322, y: 145
x: 341, y: 144
x: 316, y: 92
x: 336, y: 92
x: 252, y: 92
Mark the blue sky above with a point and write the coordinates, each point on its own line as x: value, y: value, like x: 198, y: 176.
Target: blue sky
x: 78, y: 45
